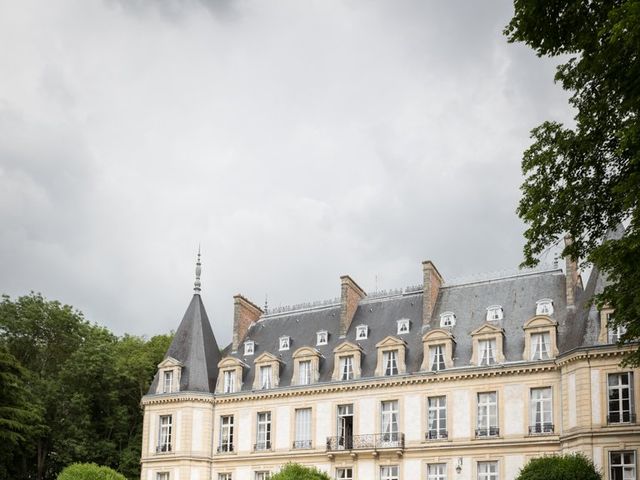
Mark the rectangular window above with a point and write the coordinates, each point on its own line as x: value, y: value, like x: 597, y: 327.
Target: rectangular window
x: 437, y: 471
x: 390, y: 362
x: 436, y: 358
x: 321, y: 337
x: 265, y: 376
x: 487, y: 351
x: 622, y: 465
x: 487, y: 415
x: 263, y: 432
x: 540, y: 346
x: 389, y: 421
x: 229, y: 382
x: 162, y: 476
x: 614, y: 333
x: 344, y: 473
x: 346, y: 368
x: 164, y: 434
x: 345, y: 427
x: 303, y: 428
x: 167, y: 386
x: 487, y: 470
x: 541, y: 413
x: 389, y: 472
x: 620, y: 386
x: 437, y: 423
x: 304, y: 372
x: 226, y: 434
x: 224, y: 476
x: 263, y: 475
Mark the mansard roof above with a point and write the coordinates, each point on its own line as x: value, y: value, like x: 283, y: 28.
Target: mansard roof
x: 195, y: 347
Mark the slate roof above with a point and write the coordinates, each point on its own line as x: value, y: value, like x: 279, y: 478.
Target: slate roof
x: 195, y: 346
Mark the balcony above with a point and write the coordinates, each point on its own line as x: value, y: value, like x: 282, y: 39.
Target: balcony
x: 541, y: 429
x: 490, y: 432
x: 373, y: 441
x: 225, y: 448
x: 262, y: 446
x: 617, y: 418
x: 436, y: 435
x: 301, y: 444
x: 164, y: 448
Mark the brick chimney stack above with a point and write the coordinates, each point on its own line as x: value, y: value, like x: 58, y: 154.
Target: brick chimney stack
x: 431, y: 288
x: 350, y: 295
x: 572, y: 275
x: 245, y: 313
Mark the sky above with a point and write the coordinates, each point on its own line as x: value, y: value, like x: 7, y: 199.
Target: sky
x: 294, y: 141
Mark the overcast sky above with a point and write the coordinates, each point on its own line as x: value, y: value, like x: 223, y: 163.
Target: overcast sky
x: 294, y: 140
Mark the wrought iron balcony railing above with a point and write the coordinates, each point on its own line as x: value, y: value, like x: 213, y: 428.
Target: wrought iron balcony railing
x: 621, y: 417
x: 261, y: 446
x: 302, y: 444
x: 164, y: 448
x: 226, y: 448
x: 541, y: 428
x: 487, y: 432
x: 436, y: 435
x: 373, y: 441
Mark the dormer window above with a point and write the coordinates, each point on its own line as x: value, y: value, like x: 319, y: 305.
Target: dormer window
x: 306, y: 366
x: 267, y: 371
x: 540, y: 346
x: 346, y: 362
x: 488, y: 345
x: 540, y: 339
x: 362, y: 332
x: 391, y: 357
x: 249, y: 347
x: 167, y: 381
x: 437, y: 350
x: 494, y: 313
x: 322, y: 337
x: 230, y: 375
x: 487, y: 352
x: 447, y: 319
x: 265, y: 377
x: 284, y: 343
x: 390, y: 361
x: 404, y: 326
x: 168, y: 377
x: 544, y: 307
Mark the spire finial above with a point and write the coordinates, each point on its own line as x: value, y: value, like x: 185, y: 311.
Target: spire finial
x: 197, y: 284
x: 266, y: 303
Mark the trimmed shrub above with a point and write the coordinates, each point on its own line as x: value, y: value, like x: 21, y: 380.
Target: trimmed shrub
x: 89, y: 471
x: 560, y: 467
x: 294, y: 471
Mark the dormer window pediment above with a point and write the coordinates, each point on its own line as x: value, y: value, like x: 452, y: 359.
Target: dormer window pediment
x: 488, y: 341
x: 438, y: 347
x: 391, y: 356
x: 230, y: 373
x: 306, y: 366
x: 267, y: 371
x: 169, y: 371
x: 347, y: 358
x: 540, y: 342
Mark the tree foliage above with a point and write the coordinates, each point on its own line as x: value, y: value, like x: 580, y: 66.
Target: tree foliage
x: 584, y: 179
x: 295, y: 471
x: 559, y: 467
x: 81, y: 386
x: 89, y: 471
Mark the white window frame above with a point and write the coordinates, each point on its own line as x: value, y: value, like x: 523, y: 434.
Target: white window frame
x: 362, y: 332
x: 344, y: 473
x: 404, y: 326
x: 266, y: 375
x: 303, y: 434
x: 436, y: 418
x: 167, y: 381
x: 162, y: 476
x: 389, y: 421
x: 623, y: 413
x: 487, y: 351
x: 263, y: 431
x: 541, y: 410
x: 224, y: 476
x: 488, y: 471
x: 544, y: 306
x: 540, y: 346
x: 249, y: 347
x: 262, y: 475
x: 389, y: 472
x: 285, y: 343
x: 436, y: 357
x: 226, y: 434
x: 165, y: 433
x: 487, y: 415
x: 322, y: 337
x: 390, y: 362
x: 346, y: 367
x: 447, y: 319
x: 437, y: 471
x: 228, y: 381
x: 304, y: 372
x: 628, y: 469
x: 495, y: 313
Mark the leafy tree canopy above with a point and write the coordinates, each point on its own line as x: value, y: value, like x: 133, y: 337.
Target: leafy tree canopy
x: 584, y: 179
x: 89, y: 471
x: 567, y: 467
x: 295, y: 471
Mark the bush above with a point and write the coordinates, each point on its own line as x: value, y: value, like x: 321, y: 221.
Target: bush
x: 294, y: 471
x: 560, y: 467
x: 89, y: 471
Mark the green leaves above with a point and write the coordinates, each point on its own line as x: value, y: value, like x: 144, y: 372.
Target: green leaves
x: 557, y: 467
x: 294, y: 471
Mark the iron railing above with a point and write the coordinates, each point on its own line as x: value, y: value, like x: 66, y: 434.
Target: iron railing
x: 488, y: 432
x: 262, y: 446
x: 302, y: 444
x: 621, y: 417
x: 371, y: 441
x: 436, y: 435
x: 541, y: 428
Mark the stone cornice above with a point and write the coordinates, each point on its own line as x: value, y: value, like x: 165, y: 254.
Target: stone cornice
x: 596, y: 351
x: 177, y: 397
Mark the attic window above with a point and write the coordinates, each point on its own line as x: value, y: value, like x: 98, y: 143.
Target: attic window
x: 322, y: 337
x: 362, y: 332
x: 403, y: 326
x: 447, y: 319
x: 284, y: 343
x: 494, y: 313
x: 249, y: 347
x: 544, y: 307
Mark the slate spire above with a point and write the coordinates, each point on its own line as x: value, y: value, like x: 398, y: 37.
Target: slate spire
x: 195, y: 346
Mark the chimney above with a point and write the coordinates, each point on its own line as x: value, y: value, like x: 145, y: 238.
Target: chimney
x: 245, y: 313
x: 350, y: 295
x: 431, y: 287
x: 572, y: 276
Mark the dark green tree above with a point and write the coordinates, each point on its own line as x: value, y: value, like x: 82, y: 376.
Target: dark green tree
x: 295, y: 471
x: 559, y: 467
x: 89, y: 471
x: 584, y: 179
